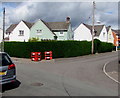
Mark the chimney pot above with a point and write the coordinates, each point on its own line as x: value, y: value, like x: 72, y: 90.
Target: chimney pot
x: 68, y: 20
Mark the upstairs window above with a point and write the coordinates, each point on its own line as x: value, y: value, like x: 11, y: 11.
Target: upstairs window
x: 109, y: 36
x: 8, y: 33
x: 103, y: 34
x: 61, y: 33
x: 21, y: 32
x: 39, y: 32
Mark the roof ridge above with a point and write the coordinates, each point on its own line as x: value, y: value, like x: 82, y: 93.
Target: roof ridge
x: 28, y: 24
x: 57, y: 22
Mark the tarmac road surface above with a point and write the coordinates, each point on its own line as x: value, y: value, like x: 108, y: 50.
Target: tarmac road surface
x: 78, y: 76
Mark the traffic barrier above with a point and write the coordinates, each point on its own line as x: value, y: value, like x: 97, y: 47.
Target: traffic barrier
x: 48, y: 55
x: 36, y: 56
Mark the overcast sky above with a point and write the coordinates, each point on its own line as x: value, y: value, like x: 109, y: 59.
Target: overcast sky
x: 79, y: 12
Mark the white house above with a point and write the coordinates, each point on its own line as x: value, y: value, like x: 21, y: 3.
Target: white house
x: 19, y: 32
x: 84, y: 32
x: 110, y: 37
x: 42, y: 30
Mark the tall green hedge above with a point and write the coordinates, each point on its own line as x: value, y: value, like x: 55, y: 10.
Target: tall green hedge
x: 105, y: 47
x: 60, y: 49
x: 96, y: 45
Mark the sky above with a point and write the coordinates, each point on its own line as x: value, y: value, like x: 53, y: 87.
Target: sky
x: 79, y: 12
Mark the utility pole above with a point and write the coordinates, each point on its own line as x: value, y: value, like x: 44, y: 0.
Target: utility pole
x: 93, y: 21
x: 2, y: 48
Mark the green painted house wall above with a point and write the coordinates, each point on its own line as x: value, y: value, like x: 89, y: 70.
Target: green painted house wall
x: 67, y: 35
x: 70, y: 33
x: 60, y: 36
x: 45, y: 31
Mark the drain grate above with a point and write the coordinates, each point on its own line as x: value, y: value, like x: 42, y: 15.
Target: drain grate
x: 37, y: 84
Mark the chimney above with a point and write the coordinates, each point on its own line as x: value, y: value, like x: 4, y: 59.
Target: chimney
x: 68, y: 20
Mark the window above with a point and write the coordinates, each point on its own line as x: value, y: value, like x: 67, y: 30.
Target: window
x: 104, y: 34
x: 55, y: 37
x: 109, y: 36
x: 8, y: 33
x: 21, y: 32
x: 39, y: 32
x: 61, y: 33
x: 5, y: 60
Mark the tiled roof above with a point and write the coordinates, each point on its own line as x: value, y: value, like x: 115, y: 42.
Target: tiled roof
x: 98, y: 28
x: 116, y: 31
x: 108, y: 28
x: 58, y: 25
x: 11, y: 28
x: 51, y: 25
x: 29, y: 25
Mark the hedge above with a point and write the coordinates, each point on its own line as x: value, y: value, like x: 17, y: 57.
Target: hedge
x: 105, y: 47
x: 96, y: 45
x: 60, y: 49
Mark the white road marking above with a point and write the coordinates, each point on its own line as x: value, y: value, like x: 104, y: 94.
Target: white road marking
x: 104, y: 70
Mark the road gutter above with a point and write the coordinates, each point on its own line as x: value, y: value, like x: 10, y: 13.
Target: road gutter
x: 104, y: 70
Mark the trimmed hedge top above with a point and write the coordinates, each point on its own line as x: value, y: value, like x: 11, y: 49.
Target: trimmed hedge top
x: 60, y: 49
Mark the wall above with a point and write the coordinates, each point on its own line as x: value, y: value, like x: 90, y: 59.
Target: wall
x: 102, y: 37
x: 14, y: 36
x: 110, y: 36
x: 59, y: 37
x: 82, y: 33
x: 115, y: 39
x: 70, y: 33
x: 45, y: 33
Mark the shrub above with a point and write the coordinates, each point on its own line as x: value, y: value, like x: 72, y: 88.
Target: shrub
x: 96, y: 45
x: 105, y: 47
x: 59, y: 48
x: 33, y: 39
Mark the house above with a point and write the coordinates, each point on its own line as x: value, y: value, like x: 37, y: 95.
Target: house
x: 116, y: 34
x: 110, y: 38
x: 52, y: 30
x: 23, y: 31
x: 1, y: 35
x: 84, y: 32
x: 18, y: 32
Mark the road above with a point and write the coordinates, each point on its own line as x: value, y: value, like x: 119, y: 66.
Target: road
x: 78, y: 76
x: 112, y: 70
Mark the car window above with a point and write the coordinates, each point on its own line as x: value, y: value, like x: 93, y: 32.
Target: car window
x: 4, y: 60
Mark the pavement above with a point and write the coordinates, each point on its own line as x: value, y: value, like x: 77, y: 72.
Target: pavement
x: 111, y: 70
x: 28, y: 60
x: 76, y: 76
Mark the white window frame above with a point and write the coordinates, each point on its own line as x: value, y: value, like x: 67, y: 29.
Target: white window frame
x: 39, y: 31
x: 110, y: 36
x: 21, y: 32
x: 61, y: 34
x: 103, y: 34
